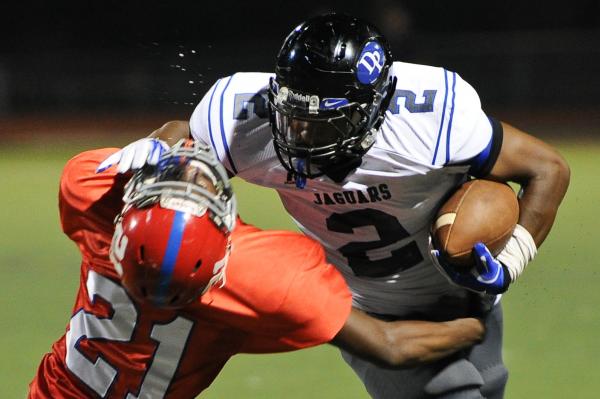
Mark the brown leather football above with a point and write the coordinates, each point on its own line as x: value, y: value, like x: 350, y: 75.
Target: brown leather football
x: 479, y: 211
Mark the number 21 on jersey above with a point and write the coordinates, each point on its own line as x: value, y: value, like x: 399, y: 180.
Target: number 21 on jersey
x: 98, y: 374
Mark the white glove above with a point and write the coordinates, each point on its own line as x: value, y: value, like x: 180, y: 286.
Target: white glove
x: 146, y: 151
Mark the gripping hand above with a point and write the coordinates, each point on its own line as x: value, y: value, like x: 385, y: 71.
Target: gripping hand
x: 146, y: 151
x: 487, y: 276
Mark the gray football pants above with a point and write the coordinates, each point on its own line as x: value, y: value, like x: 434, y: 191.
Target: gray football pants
x: 477, y: 373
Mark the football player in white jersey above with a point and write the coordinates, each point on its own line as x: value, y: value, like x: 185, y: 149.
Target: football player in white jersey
x: 362, y: 152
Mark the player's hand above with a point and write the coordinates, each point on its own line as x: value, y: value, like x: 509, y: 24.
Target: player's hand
x: 146, y: 151
x: 487, y: 276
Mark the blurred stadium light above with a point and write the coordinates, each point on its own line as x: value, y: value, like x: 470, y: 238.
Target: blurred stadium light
x: 126, y: 56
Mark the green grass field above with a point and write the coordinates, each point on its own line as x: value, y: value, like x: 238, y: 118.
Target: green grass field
x: 551, y: 315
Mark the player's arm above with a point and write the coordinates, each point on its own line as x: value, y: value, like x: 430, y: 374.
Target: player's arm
x: 317, y: 308
x: 544, y: 177
x: 510, y: 156
x: 89, y: 201
x: 542, y: 173
x: 147, y: 150
x: 172, y: 131
x: 406, y: 343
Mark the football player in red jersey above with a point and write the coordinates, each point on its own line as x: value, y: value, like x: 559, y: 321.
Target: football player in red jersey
x: 155, y: 316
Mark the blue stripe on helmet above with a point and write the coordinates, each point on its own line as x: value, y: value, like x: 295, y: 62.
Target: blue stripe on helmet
x: 173, y: 246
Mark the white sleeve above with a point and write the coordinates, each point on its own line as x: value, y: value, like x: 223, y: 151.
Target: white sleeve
x: 199, y: 126
x: 469, y: 130
x: 211, y: 122
x: 232, y: 119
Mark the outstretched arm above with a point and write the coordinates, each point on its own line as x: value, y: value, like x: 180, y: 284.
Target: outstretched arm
x: 147, y: 150
x: 406, y: 343
x: 172, y: 131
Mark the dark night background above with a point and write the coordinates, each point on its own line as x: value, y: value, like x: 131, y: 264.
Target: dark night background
x: 143, y: 56
x: 76, y: 75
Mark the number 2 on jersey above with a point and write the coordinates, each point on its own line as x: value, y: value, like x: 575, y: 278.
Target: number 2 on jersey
x: 98, y: 374
x: 390, y: 231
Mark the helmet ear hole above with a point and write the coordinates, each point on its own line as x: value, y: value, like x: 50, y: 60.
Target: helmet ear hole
x: 144, y: 291
x: 141, y: 254
x: 174, y: 299
x: 197, y: 266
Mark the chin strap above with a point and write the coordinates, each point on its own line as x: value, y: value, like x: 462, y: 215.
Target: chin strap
x: 300, y: 179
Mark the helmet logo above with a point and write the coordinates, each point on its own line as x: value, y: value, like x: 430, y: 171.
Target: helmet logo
x: 333, y: 103
x: 298, y: 99
x: 370, y: 63
x: 117, y: 248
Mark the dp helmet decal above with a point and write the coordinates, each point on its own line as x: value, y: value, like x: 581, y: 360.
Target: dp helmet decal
x: 370, y: 63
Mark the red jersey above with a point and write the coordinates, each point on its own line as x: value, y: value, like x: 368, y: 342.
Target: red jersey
x: 280, y: 295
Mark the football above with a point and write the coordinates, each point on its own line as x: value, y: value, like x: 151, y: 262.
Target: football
x: 478, y: 211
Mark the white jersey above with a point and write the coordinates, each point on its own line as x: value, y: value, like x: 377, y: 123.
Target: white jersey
x: 374, y: 224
